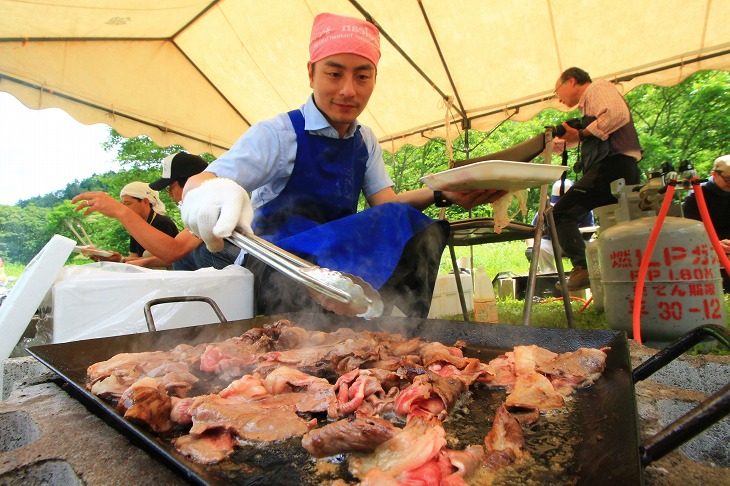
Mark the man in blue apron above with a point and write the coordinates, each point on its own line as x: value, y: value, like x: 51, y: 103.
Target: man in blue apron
x: 610, y: 150
x: 305, y: 171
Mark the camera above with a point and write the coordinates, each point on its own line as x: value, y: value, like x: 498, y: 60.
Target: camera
x: 559, y: 130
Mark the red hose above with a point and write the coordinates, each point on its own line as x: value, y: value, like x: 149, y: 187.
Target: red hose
x: 644, y: 267
x: 588, y: 302
x: 558, y: 299
x: 709, y: 227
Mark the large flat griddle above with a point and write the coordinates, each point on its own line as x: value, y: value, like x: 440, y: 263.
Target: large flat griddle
x: 597, y: 442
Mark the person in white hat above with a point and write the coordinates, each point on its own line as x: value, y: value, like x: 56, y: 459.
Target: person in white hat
x: 546, y: 258
x: 145, y: 202
x: 183, y: 251
x: 717, y: 196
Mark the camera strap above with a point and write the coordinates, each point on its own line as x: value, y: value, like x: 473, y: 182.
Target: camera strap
x: 577, y: 167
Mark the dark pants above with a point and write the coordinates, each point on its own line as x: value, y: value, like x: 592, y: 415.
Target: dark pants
x: 201, y: 257
x: 591, y: 191
x: 410, y: 287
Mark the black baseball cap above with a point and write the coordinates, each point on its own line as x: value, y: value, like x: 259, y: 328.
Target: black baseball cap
x: 176, y: 166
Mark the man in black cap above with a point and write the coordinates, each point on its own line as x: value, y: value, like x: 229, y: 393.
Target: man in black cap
x: 185, y: 251
x: 176, y: 169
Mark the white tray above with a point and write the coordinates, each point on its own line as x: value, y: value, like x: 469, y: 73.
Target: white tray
x: 88, y: 251
x: 494, y: 174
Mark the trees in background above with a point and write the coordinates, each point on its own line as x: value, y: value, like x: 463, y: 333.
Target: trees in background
x: 23, y: 232
x: 689, y: 121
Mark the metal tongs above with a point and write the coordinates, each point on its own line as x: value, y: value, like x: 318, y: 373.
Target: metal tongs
x: 360, y: 299
x: 85, y: 240
x: 87, y: 247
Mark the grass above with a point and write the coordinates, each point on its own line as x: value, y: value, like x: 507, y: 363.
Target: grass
x: 494, y: 257
x: 13, y: 269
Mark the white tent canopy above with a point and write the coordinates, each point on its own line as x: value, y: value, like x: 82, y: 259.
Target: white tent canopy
x: 199, y: 72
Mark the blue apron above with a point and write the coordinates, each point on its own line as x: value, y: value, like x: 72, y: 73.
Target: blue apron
x: 316, y: 218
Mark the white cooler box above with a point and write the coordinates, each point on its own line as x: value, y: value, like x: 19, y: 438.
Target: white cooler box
x: 108, y: 299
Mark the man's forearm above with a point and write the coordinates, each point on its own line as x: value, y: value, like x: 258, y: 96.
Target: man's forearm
x: 158, y: 243
x: 148, y: 262
x: 418, y: 198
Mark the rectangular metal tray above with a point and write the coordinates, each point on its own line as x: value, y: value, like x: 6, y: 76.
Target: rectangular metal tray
x: 604, y: 432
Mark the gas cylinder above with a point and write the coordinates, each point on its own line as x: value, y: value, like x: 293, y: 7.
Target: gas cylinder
x: 682, y: 287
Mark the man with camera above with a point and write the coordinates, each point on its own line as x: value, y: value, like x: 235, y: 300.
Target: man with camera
x: 609, y: 150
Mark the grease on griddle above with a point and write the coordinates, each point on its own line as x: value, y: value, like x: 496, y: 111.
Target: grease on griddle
x: 551, y: 441
x: 283, y: 463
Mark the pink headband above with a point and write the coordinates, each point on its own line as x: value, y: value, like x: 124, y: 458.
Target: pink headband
x: 336, y: 34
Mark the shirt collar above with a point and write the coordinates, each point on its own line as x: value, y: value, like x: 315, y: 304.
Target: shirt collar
x: 314, y: 121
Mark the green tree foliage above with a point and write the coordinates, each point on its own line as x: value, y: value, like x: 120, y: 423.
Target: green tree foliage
x: 23, y: 232
x: 72, y: 189
x: 141, y: 160
x: 142, y: 153
x: 689, y: 121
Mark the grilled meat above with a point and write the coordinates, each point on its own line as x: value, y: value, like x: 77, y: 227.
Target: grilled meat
x: 354, y: 434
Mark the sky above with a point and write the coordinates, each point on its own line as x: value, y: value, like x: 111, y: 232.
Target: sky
x: 43, y: 150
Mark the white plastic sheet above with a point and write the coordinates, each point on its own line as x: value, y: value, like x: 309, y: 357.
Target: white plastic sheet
x: 107, y: 299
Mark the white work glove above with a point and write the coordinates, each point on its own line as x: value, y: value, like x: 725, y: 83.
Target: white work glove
x: 213, y: 210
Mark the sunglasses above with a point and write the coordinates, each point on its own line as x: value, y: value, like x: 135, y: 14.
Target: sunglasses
x: 723, y: 176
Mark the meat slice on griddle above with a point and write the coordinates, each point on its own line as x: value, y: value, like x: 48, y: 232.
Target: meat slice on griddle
x: 505, y: 439
x: 534, y: 390
x: 428, y: 393
x: 270, y: 419
x: 110, y: 378
x: 313, y: 394
x: 146, y: 402
x: 209, y: 448
x: 354, y: 434
x: 367, y: 392
x: 416, y: 444
x: 324, y: 360
x: 577, y: 369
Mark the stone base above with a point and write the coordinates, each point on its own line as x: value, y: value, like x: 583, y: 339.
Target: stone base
x: 666, y: 396
x: 47, y: 437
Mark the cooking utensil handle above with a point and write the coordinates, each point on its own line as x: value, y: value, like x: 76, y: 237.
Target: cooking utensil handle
x: 76, y: 233
x: 687, y: 426
x: 358, y: 297
x: 679, y: 347
x: 256, y: 242
x: 170, y: 300
x: 696, y: 420
x: 86, y: 235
